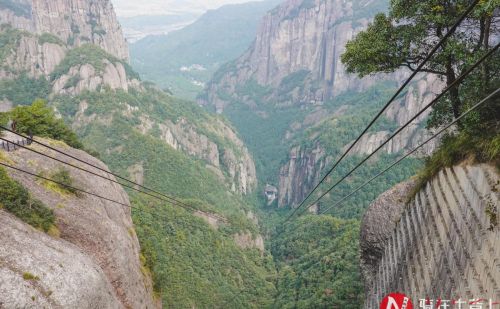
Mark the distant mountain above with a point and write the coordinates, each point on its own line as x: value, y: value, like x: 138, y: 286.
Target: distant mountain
x: 129, y: 8
x: 139, y: 27
x: 185, y: 60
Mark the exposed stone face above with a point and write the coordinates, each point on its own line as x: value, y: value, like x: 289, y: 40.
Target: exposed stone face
x: 98, y: 248
x: 307, y: 38
x: 184, y: 136
x: 419, y: 94
x: 249, y: 241
x: 72, y: 278
x: 300, y: 173
x: 301, y: 36
x: 64, y: 19
x: 87, y: 78
x: 444, y: 243
x: 32, y: 57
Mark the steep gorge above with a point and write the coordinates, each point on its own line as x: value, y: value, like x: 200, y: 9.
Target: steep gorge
x: 79, y: 65
x: 292, y: 76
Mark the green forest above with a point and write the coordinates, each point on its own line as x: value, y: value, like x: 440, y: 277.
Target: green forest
x: 311, y: 261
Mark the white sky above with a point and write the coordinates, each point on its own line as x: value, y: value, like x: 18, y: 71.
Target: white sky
x: 127, y: 8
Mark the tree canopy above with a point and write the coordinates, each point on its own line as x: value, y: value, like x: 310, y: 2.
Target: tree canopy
x: 405, y: 36
x: 38, y: 119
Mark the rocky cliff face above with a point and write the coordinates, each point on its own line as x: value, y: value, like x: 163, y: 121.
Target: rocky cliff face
x: 237, y: 170
x: 443, y: 244
x: 300, y: 41
x: 64, y: 19
x: 295, y: 61
x: 419, y: 94
x: 93, y: 264
x: 50, y: 44
x: 300, y: 173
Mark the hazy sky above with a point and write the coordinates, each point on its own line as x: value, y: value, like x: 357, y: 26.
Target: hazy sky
x: 157, y: 7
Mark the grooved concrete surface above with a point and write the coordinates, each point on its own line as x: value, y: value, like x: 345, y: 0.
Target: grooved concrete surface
x: 443, y: 245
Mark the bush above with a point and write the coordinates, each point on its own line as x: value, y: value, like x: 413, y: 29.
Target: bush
x: 38, y: 119
x: 15, y: 199
x: 30, y: 276
x: 49, y: 38
x: 456, y: 148
x: 63, y: 177
x: 24, y: 89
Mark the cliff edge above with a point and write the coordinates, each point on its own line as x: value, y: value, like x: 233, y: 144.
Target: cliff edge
x: 93, y: 261
x: 443, y: 244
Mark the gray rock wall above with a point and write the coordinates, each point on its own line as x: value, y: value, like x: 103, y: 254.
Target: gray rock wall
x: 64, y: 19
x: 97, y: 248
x: 444, y: 244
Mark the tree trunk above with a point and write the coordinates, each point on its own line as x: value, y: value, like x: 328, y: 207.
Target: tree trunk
x: 486, y: 46
x: 454, y: 92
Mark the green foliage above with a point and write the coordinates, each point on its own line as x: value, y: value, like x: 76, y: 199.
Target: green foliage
x: 64, y: 181
x: 9, y: 40
x: 73, y: 81
x: 89, y: 54
x: 318, y: 260
x: 38, y: 119
x: 194, y: 265
x: 459, y: 147
x: 292, y: 81
x: 375, y: 49
x: 23, y: 90
x: 264, y: 136
x: 183, y: 252
x: 254, y: 90
x: 15, y: 199
x: 401, y: 39
x: 216, y: 37
x: 49, y: 38
x: 30, y: 276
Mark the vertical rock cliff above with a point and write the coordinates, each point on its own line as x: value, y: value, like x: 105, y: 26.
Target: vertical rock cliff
x: 295, y: 63
x: 97, y: 25
x: 443, y: 244
x: 93, y: 263
x: 301, y: 40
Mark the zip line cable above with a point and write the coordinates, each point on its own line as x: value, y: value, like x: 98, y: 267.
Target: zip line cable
x: 478, y: 105
x: 398, y: 92
x: 458, y: 80
x: 89, y: 164
x: 185, y: 206
x: 65, y: 185
x: 154, y: 214
x: 170, y: 199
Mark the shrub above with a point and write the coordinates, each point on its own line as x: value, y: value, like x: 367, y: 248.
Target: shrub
x: 38, y: 119
x: 30, y: 276
x: 63, y: 177
x: 89, y: 54
x: 456, y: 148
x: 24, y: 89
x: 15, y: 199
x: 49, y: 38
